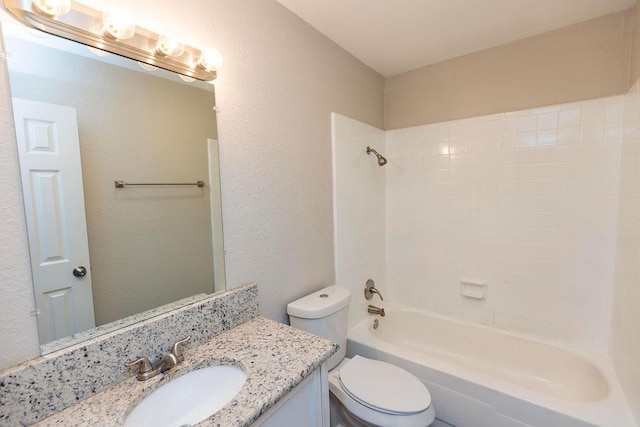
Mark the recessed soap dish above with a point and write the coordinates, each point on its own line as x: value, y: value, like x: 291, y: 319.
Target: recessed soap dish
x: 473, y: 288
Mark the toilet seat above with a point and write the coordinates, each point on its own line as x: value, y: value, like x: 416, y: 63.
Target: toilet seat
x: 361, y: 405
x: 384, y: 387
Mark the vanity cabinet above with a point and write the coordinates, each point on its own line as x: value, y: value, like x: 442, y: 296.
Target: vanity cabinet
x: 306, y: 405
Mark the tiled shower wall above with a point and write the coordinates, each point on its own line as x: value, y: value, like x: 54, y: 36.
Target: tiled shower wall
x: 625, y: 331
x: 536, y: 203
x: 526, y: 201
x: 358, y: 206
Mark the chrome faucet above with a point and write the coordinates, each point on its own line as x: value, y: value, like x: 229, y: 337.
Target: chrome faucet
x: 375, y: 310
x: 370, y: 289
x: 146, y: 369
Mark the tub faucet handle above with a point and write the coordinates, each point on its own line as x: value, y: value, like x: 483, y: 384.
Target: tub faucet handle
x: 370, y: 289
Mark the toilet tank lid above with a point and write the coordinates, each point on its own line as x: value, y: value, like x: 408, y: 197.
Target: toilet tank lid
x: 320, y: 304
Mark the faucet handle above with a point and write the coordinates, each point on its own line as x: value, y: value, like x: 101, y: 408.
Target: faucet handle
x: 370, y: 289
x: 143, y: 364
x: 176, y: 349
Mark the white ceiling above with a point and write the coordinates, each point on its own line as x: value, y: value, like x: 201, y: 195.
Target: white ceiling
x: 394, y: 36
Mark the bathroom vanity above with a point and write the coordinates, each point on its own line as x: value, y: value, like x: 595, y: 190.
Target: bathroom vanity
x: 286, y: 370
x: 284, y: 380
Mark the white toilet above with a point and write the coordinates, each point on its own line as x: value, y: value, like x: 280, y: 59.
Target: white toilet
x: 364, y: 392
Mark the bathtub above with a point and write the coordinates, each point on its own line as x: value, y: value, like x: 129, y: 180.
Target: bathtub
x: 480, y: 376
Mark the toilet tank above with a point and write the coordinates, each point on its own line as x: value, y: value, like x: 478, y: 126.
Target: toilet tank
x: 324, y: 313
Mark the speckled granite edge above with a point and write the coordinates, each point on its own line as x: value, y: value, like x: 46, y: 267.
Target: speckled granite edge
x: 275, y: 357
x: 42, y: 386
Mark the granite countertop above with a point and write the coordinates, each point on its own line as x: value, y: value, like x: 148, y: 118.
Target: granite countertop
x: 275, y: 357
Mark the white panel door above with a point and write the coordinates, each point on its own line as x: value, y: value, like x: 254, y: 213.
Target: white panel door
x: 49, y: 151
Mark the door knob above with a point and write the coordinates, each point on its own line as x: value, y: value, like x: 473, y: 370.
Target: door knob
x: 80, y: 271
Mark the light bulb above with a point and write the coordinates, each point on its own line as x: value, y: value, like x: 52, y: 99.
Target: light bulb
x: 186, y: 78
x: 52, y: 7
x: 97, y: 52
x: 147, y: 67
x: 118, y: 24
x: 210, y: 59
x: 167, y: 45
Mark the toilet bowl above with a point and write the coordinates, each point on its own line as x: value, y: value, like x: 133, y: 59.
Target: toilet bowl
x: 363, y: 392
x: 389, y: 397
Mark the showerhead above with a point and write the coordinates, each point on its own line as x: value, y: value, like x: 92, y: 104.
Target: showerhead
x: 381, y: 160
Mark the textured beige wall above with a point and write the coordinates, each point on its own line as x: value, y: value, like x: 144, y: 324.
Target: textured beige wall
x: 18, y: 328
x: 148, y: 246
x: 582, y: 61
x: 635, y: 46
x: 278, y: 85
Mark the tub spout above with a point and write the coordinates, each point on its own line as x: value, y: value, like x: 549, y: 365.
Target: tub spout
x: 375, y: 310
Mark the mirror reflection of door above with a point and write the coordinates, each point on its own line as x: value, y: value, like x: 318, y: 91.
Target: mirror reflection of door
x: 51, y: 173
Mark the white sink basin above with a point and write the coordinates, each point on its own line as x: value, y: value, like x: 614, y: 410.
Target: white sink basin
x: 189, y: 399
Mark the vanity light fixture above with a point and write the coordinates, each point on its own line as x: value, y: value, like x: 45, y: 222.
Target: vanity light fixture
x: 116, y: 32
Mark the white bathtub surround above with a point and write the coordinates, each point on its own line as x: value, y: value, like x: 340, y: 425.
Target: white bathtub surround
x: 358, y: 209
x: 625, y: 328
x: 529, y: 202
x: 526, y: 201
x: 479, y: 375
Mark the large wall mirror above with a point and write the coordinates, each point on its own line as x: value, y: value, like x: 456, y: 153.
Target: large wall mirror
x: 105, y: 255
